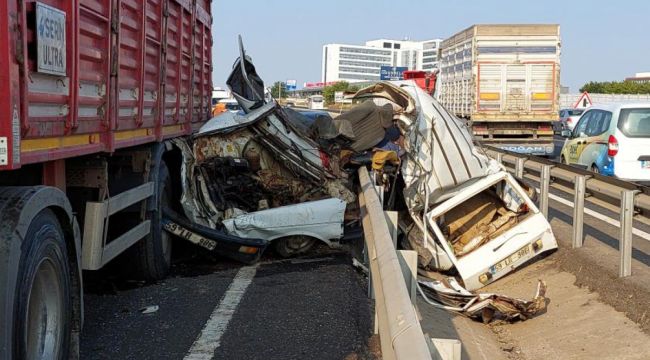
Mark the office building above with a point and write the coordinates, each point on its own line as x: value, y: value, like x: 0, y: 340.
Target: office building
x: 354, y: 63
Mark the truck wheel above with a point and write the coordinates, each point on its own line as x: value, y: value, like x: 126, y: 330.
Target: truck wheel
x: 293, y: 245
x: 42, y: 322
x: 154, y: 252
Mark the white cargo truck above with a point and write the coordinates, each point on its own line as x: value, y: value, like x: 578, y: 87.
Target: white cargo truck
x: 505, y: 81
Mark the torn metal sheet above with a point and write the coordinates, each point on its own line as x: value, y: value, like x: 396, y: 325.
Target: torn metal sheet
x: 229, y: 121
x: 485, y: 307
x: 440, y: 154
x: 322, y: 219
x: 196, y: 205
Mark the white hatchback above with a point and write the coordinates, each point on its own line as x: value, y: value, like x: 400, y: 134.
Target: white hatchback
x: 612, y: 140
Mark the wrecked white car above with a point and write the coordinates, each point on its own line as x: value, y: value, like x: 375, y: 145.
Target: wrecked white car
x: 254, y: 179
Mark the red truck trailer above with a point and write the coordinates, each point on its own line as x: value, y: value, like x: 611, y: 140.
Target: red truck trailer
x: 425, y: 80
x: 90, y: 92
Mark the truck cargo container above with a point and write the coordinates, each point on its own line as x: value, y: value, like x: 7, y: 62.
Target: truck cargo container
x: 92, y: 90
x: 505, y: 81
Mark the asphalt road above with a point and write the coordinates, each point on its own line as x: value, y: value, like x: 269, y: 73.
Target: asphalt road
x: 313, y: 308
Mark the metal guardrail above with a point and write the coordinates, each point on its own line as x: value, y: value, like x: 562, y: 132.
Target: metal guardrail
x: 628, y: 198
x: 400, y: 333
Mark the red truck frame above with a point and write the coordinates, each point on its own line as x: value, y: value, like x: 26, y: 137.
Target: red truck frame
x: 90, y: 92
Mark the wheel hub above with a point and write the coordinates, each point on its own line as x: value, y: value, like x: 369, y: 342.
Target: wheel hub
x: 44, y: 330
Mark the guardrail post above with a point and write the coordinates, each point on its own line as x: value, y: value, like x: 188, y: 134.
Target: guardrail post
x: 578, y: 211
x: 446, y: 349
x: 625, y: 242
x: 408, y: 261
x: 545, y: 182
x: 519, y: 167
x: 391, y: 220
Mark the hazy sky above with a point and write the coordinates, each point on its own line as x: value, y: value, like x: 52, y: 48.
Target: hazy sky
x: 601, y: 40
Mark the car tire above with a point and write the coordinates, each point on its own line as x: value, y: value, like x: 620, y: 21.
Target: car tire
x: 42, y: 320
x: 153, y: 252
x: 293, y: 245
x: 595, y: 169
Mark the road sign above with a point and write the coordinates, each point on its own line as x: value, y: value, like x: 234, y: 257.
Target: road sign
x: 290, y: 85
x: 338, y: 96
x: 583, y: 102
x: 50, y: 40
x: 392, y: 72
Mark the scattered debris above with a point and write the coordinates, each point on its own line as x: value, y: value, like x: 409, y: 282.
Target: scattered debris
x: 359, y: 265
x: 149, y: 309
x: 487, y: 307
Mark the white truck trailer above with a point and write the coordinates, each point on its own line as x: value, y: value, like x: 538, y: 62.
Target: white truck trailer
x: 505, y: 81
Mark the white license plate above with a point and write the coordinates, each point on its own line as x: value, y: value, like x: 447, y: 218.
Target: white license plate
x: 521, y: 253
x: 645, y: 164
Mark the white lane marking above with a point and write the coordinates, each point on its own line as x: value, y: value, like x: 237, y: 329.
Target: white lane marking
x: 210, y: 338
x: 600, y: 216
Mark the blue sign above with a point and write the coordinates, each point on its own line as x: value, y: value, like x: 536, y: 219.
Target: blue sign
x: 392, y: 72
x: 290, y: 85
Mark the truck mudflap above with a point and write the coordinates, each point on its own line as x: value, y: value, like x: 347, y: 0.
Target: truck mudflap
x: 246, y: 250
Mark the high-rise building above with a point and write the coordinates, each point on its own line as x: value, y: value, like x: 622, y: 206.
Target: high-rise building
x: 642, y: 77
x: 355, y: 63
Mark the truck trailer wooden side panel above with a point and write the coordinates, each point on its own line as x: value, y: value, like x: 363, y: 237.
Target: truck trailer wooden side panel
x: 87, y: 76
x: 505, y: 80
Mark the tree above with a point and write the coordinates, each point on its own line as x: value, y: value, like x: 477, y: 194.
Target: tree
x: 275, y: 90
x: 616, y: 87
x: 329, y: 91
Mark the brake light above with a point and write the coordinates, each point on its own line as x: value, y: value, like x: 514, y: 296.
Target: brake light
x: 612, y: 146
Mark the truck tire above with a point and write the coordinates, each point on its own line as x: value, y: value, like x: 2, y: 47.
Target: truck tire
x: 42, y: 321
x: 153, y: 252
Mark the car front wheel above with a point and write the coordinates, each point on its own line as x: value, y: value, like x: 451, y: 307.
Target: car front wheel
x: 595, y: 169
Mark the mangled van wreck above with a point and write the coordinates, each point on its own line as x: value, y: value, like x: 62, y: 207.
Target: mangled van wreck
x: 463, y: 210
x: 266, y: 176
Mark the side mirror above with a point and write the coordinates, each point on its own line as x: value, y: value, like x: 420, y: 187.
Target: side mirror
x: 566, y: 133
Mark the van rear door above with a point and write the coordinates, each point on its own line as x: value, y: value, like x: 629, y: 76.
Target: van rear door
x: 632, y: 161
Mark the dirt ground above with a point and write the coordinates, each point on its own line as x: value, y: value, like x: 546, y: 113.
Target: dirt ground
x: 579, y: 323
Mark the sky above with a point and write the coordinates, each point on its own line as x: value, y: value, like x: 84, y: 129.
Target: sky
x: 601, y: 40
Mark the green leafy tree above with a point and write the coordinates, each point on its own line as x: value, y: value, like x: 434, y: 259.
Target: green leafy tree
x: 329, y: 91
x: 616, y: 87
x: 275, y: 90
